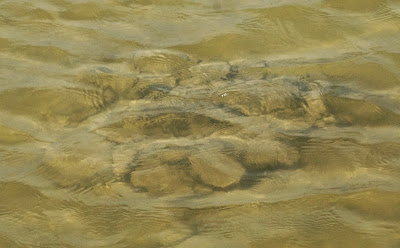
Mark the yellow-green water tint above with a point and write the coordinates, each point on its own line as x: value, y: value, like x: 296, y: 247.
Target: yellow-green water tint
x: 187, y: 123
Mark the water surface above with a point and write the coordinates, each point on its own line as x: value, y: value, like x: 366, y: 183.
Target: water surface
x: 187, y: 123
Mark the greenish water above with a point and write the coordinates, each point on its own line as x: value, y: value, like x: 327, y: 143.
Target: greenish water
x: 186, y: 123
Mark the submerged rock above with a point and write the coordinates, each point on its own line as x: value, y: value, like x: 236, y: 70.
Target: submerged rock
x: 268, y: 155
x: 121, y: 86
x: 331, y: 156
x: 127, y: 87
x: 262, y: 97
x: 64, y: 106
x: 205, y: 241
x: 10, y: 136
x: 168, y: 125
x: 194, y: 169
x: 162, y: 180
x: 156, y: 227
x: 215, y: 169
x: 355, y: 5
x: 249, y: 70
x: 164, y: 172
x: 160, y: 62
x: 386, y: 154
x: 314, y: 102
x: 47, y: 54
x: 87, y: 11
x: 245, y: 103
x: 359, y: 112
x: 76, y: 162
x: 206, y: 72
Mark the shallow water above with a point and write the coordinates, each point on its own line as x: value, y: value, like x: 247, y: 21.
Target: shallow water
x: 187, y: 123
